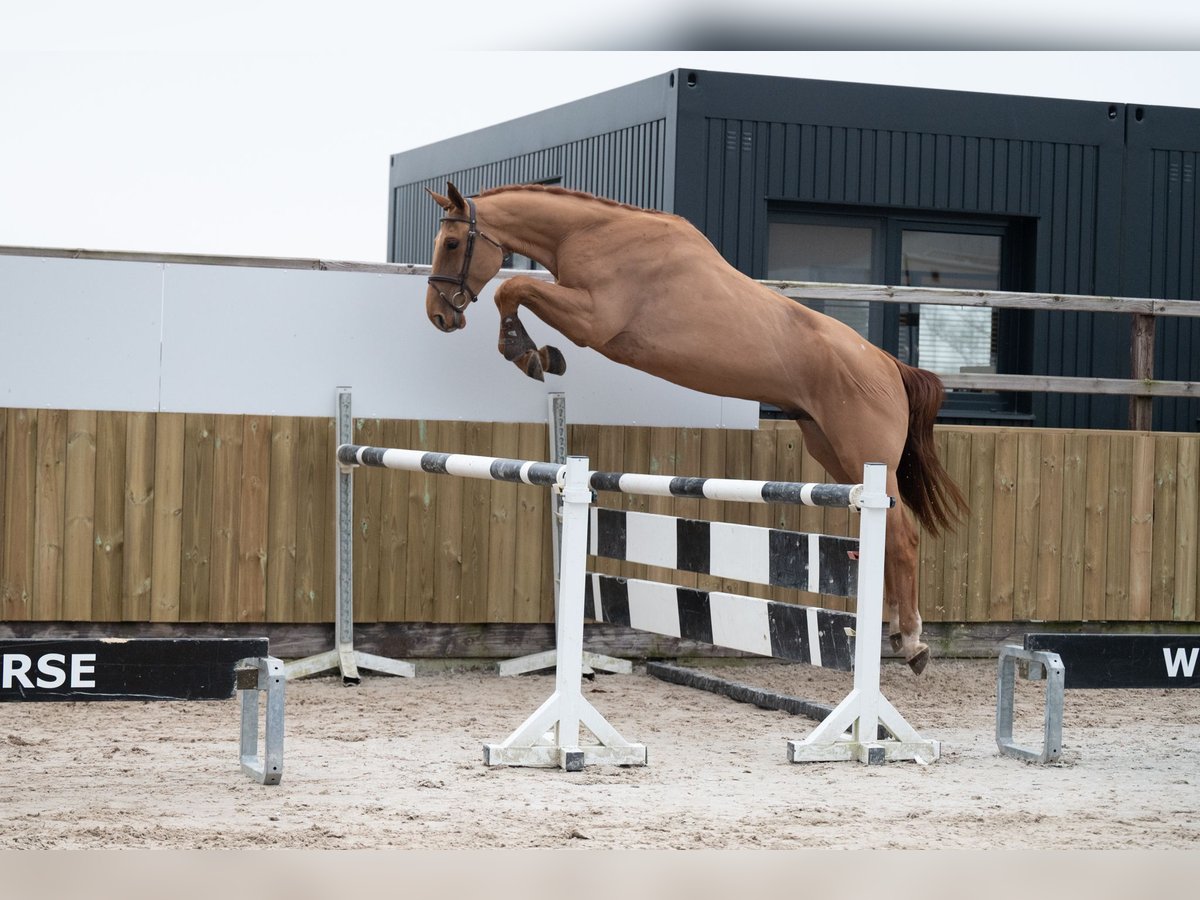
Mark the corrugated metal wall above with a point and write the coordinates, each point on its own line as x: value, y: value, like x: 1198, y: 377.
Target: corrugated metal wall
x: 1174, y: 273
x: 627, y: 165
x: 1069, y: 190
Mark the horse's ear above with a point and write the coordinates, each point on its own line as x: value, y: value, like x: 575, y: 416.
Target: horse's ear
x: 441, y: 201
x: 455, y: 197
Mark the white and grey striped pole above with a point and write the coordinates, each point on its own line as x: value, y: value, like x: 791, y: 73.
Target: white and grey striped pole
x: 551, y: 474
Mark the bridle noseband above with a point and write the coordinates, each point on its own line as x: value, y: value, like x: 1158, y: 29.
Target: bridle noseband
x: 460, y: 280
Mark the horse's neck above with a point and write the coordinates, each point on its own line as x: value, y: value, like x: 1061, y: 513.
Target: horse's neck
x: 535, y: 224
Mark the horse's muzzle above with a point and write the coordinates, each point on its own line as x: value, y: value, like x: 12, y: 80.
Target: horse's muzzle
x: 450, y: 322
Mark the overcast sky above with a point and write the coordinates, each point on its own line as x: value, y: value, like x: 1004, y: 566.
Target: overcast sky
x: 257, y: 127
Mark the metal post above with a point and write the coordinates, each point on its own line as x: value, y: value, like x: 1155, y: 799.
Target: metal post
x: 343, y: 656
x: 535, y: 662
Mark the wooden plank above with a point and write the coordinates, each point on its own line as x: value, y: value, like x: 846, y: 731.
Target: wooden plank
x: 1063, y: 384
x: 1162, y: 590
x: 529, y: 605
x: 108, y: 584
x: 198, y: 450
x: 393, y: 529
x: 314, y: 524
x: 1187, y: 532
x: 50, y: 523
x: 169, y: 439
x: 1141, y: 368
x: 1141, y: 527
x: 931, y: 552
x: 712, y: 464
x: 79, y: 539
x: 610, y: 457
x: 956, y: 559
x: 1000, y: 595
x: 327, y: 583
x: 3, y: 489
x: 226, y: 510
x: 448, y: 563
x: 789, y: 462
x: 981, y: 542
x: 800, y: 290
x: 283, y: 514
x: 502, y: 533
x: 368, y: 487
x: 476, y: 527
x: 1028, y: 516
x: 637, y: 459
x: 422, y: 530
x: 20, y: 536
x: 1050, y: 526
x: 763, y: 454
x: 1095, y: 549
x: 663, y: 461
x: 253, y: 531
x: 138, y: 569
x: 1120, y: 516
x: 1074, y: 523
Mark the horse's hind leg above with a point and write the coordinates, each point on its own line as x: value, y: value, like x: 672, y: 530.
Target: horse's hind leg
x: 900, y: 585
x: 517, y: 346
x: 900, y: 561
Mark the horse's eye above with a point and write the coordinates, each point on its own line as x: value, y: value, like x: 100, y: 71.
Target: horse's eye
x: 451, y: 243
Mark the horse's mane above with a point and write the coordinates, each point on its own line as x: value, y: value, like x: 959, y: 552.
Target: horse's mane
x: 564, y: 192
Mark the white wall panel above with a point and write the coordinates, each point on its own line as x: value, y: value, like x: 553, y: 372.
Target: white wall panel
x: 278, y: 341
x: 79, y: 334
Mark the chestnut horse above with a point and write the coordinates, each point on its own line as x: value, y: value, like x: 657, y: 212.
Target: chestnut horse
x: 647, y: 289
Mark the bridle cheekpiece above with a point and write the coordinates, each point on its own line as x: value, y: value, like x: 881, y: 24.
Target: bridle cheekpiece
x: 460, y: 280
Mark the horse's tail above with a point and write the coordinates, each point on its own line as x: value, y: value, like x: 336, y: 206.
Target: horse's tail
x: 925, y: 485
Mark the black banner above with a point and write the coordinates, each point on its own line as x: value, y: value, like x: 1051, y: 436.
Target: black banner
x: 123, y: 669
x: 1124, y: 660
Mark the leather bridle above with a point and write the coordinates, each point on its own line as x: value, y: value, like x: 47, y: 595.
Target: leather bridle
x: 460, y: 280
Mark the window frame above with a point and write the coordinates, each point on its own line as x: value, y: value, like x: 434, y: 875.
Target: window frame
x: 1017, y: 260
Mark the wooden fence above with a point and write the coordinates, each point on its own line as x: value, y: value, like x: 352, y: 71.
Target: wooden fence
x: 138, y: 517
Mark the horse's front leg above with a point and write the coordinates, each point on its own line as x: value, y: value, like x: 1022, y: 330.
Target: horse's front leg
x: 516, y: 345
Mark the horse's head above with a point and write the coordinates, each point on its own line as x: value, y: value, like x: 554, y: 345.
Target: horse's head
x: 462, y: 265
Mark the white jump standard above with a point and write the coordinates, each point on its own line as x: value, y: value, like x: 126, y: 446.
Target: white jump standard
x: 550, y: 737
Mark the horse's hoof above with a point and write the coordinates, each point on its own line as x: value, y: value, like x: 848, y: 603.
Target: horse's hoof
x: 532, y: 366
x: 555, y: 363
x: 919, y: 660
x: 897, y: 641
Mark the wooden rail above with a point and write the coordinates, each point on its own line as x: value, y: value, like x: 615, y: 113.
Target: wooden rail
x: 1142, y: 388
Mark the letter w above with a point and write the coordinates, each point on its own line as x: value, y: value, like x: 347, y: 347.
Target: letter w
x: 1180, y: 661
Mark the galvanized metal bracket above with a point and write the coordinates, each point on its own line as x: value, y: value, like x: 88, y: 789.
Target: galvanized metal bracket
x: 255, y: 676
x: 1034, y: 665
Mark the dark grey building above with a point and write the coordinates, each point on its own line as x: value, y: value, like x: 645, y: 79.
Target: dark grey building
x: 826, y: 181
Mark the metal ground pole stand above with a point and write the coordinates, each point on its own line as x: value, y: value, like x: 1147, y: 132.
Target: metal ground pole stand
x: 547, y: 659
x: 343, y: 656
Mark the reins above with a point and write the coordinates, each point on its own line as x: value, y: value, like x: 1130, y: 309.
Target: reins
x: 460, y: 280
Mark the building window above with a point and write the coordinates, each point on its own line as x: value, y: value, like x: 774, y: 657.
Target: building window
x: 914, y: 250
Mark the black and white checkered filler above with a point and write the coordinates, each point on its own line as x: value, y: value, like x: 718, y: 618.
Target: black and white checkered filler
x: 811, y: 562
x: 808, y: 562
x: 523, y: 471
x: 819, y: 637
